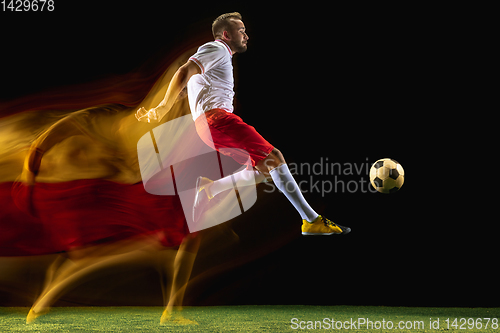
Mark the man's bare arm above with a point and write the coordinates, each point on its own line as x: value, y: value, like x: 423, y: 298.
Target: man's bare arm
x: 178, y: 82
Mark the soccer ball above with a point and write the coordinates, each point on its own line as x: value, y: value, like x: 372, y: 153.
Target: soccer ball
x: 387, y: 175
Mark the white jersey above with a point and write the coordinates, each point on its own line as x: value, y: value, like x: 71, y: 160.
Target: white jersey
x: 213, y: 88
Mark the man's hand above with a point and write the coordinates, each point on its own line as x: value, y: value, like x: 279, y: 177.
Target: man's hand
x: 177, y: 84
x: 146, y: 116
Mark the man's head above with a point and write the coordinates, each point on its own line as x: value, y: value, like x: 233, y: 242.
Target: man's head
x: 230, y: 28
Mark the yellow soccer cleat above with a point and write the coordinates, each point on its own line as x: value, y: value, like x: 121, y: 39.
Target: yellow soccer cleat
x: 322, y: 226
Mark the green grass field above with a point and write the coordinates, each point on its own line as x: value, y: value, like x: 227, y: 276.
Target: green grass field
x: 254, y: 319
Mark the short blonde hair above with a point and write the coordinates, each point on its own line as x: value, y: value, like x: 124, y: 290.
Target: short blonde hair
x: 221, y: 23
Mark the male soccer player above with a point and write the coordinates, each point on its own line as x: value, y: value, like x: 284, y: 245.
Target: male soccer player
x: 208, y: 75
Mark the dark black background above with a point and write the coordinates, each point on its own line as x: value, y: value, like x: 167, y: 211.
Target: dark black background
x: 349, y: 83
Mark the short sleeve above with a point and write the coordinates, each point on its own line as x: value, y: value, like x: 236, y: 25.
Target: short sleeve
x: 208, y: 56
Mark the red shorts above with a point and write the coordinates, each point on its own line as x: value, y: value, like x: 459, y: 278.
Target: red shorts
x: 227, y: 130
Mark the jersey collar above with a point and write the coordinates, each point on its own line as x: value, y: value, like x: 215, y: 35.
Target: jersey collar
x: 227, y: 46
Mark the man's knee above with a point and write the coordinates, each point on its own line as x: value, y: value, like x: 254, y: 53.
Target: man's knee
x: 273, y: 160
x: 275, y: 152
x: 278, y: 156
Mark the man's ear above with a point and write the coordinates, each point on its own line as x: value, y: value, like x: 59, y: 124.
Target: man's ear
x: 225, y: 35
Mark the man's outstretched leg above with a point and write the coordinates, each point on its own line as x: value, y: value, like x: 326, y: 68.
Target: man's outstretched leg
x: 312, y: 223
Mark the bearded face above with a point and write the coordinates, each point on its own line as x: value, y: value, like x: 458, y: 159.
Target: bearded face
x: 236, y: 37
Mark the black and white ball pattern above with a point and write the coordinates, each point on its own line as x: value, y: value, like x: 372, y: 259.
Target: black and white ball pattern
x: 387, y: 175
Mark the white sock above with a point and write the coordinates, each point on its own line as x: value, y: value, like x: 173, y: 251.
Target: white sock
x: 243, y: 178
x: 284, y: 181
